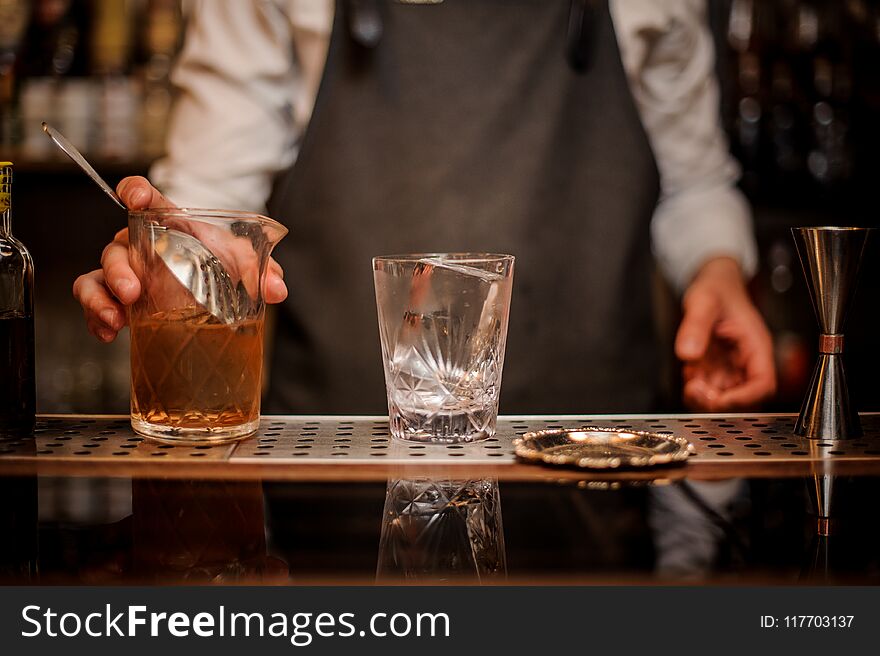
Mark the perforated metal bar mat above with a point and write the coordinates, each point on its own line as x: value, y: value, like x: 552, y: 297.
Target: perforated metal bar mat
x: 366, y: 440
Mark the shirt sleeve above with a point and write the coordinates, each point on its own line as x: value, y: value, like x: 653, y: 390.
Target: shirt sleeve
x: 241, y: 86
x: 668, y: 55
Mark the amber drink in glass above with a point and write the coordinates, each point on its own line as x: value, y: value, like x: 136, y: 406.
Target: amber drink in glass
x: 195, y: 376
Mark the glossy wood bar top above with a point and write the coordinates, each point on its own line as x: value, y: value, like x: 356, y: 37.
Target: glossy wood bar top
x: 340, y: 448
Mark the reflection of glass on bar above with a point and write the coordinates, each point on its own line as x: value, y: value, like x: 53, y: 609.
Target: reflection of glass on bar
x: 443, y: 326
x: 197, y: 328
x: 201, y: 531
x: 442, y: 530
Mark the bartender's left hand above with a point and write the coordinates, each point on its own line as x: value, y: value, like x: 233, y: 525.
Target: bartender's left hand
x: 723, y: 342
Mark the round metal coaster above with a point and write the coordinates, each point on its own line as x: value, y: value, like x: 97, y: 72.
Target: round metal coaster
x: 602, y: 448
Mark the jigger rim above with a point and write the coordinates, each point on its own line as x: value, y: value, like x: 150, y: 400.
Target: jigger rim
x: 834, y: 228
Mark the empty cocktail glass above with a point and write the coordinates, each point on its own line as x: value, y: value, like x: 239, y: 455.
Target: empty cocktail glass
x: 443, y: 327
x: 197, y: 327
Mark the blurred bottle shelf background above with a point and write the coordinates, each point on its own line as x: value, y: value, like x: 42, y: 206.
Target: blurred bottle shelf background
x: 800, y: 100
x: 98, y: 70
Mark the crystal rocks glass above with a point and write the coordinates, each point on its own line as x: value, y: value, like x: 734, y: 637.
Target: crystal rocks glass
x: 443, y: 327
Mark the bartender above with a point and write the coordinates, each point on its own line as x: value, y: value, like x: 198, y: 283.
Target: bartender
x: 581, y: 136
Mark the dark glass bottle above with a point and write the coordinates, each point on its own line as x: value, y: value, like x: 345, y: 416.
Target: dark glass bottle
x: 17, y: 378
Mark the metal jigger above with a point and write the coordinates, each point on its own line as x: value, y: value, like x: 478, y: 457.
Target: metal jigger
x: 830, y: 258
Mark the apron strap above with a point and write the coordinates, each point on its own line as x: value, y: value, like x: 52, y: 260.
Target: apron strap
x: 583, y: 18
x: 364, y: 21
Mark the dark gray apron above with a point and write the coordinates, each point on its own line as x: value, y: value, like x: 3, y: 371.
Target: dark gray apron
x: 467, y: 128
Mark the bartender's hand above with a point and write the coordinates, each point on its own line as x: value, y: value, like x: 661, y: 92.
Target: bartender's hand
x: 104, y: 293
x: 723, y: 342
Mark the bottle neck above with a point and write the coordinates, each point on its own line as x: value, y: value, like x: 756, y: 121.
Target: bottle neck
x: 5, y: 199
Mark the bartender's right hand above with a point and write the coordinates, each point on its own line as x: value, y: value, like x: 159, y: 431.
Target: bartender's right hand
x: 104, y: 293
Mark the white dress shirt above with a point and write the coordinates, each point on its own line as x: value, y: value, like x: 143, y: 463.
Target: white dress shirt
x: 250, y: 69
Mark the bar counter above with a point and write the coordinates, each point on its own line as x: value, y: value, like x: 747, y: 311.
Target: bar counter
x: 336, y: 499
x: 360, y: 448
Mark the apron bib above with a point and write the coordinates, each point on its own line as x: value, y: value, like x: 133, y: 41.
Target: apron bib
x: 467, y: 127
